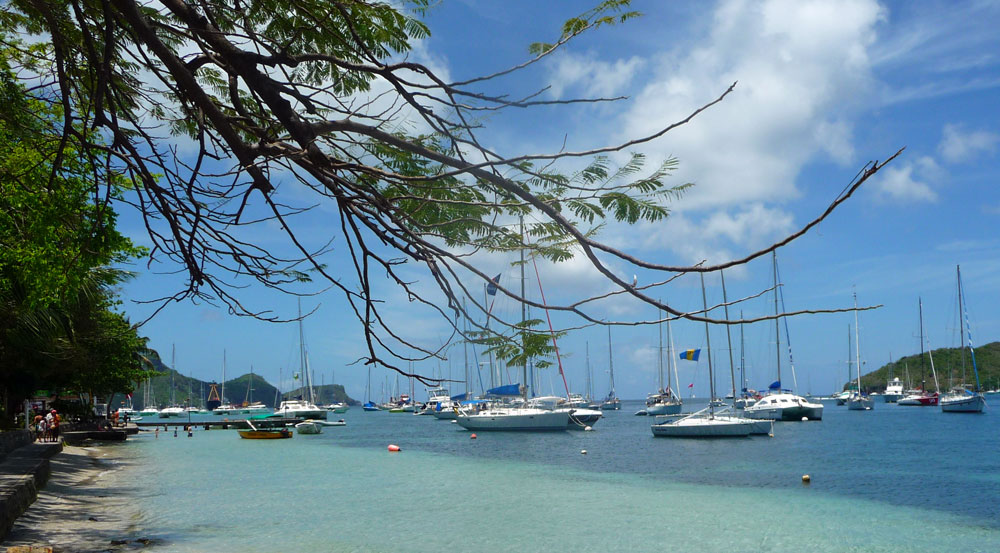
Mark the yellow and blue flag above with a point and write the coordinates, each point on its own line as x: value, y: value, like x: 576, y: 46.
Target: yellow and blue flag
x: 691, y: 354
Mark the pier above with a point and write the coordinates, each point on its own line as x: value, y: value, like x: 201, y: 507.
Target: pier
x: 224, y: 424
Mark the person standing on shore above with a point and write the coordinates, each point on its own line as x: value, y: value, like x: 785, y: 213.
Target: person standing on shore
x: 55, y: 425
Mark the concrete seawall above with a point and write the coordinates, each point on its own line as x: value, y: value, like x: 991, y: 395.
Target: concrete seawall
x: 24, y: 469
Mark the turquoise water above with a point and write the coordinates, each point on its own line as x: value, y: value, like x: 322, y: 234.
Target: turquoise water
x: 895, y: 479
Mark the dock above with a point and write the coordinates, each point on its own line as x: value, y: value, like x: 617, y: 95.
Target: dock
x: 224, y: 424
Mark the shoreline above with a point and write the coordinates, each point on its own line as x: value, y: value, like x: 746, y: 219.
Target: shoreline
x: 87, y: 504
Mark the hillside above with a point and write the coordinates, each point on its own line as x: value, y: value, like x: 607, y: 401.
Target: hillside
x: 947, y: 361
x: 186, y: 388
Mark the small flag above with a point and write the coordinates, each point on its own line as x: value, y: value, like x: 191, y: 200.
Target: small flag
x: 691, y: 354
x: 491, y: 288
x: 295, y: 376
x: 691, y: 385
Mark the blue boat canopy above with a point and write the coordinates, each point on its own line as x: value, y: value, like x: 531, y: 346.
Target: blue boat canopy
x: 776, y: 385
x: 508, y: 390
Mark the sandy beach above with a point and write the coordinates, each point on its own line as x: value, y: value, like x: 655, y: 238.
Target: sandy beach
x: 87, y: 505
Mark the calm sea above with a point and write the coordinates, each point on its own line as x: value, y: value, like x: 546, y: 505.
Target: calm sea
x: 895, y: 479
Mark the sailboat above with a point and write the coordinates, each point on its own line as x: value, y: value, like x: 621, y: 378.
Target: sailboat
x: 961, y: 399
x: 148, y: 409
x: 705, y: 423
x: 665, y: 401
x: 369, y: 404
x: 921, y: 397
x: 300, y: 408
x: 503, y: 412
x: 173, y: 410
x: 224, y: 407
x: 611, y: 403
x: 779, y: 404
x: 250, y: 406
x: 858, y: 400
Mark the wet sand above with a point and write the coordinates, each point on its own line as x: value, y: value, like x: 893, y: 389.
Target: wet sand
x: 87, y: 505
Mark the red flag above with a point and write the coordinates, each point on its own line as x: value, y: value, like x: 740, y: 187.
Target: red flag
x: 691, y: 385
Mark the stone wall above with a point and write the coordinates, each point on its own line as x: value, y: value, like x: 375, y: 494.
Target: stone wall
x: 13, y: 439
x: 24, y: 470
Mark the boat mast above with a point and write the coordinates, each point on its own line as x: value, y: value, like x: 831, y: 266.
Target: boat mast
x: 850, y: 358
x: 965, y: 316
x: 524, y: 316
x: 961, y: 323
x: 611, y: 367
x: 659, y: 350
x: 708, y: 347
x: 173, y: 367
x: 777, y: 333
x: 224, y: 378
x: 923, y: 371
x: 590, y: 382
x: 743, y: 371
x: 857, y: 343
x: 671, y: 350
x: 729, y: 339
x: 465, y: 344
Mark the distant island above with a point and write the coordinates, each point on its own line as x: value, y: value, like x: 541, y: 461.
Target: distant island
x: 947, y: 364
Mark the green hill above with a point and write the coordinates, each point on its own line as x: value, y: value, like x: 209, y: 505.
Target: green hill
x: 947, y: 364
x: 329, y: 393
x: 187, y: 389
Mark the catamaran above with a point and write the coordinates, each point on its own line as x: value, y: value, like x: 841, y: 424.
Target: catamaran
x: 779, y: 404
x: 300, y: 408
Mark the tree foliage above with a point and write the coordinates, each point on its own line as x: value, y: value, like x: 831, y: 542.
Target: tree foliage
x: 324, y: 95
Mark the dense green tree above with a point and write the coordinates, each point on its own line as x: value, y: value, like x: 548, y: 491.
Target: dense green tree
x: 324, y: 93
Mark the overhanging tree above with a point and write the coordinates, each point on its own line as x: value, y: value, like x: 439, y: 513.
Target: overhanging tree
x: 322, y: 93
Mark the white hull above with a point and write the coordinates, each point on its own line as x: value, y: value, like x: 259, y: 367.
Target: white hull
x: 149, y: 412
x: 861, y: 404
x: 296, y: 409
x: 784, y: 407
x: 963, y: 404
x: 891, y: 398
x: 704, y: 427
x: 172, y: 412
x: 308, y: 427
x: 664, y: 409
x: 525, y: 419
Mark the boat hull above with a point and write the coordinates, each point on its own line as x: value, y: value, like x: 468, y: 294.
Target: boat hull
x: 664, y: 409
x: 526, y: 420
x: 308, y: 428
x: 862, y: 404
x: 580, y: 419
x: 266, y: 434
x: 891, y: 398
x: 697, y: 427
x: 963, y: 404
x: 919, y: 401
x: 784, y: 407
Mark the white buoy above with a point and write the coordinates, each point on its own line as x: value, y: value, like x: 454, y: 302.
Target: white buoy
x: 805, y: 419
x: 583, y: 452
x: 587, y: 429
x: 806, y: 479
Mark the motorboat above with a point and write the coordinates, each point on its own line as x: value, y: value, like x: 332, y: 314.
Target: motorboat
x: 299, y: 409
x: 919, y: 398
x: 893, y: 391
x: 172, y: 411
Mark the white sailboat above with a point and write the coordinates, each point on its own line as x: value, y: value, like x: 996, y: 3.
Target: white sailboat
x: 858, y: 400
x: 961, y: 399
x: 665, y: 401
x: 300, y: 408
x: 148, y: 409
x: 779, y: 404
x: 611, y: 403
x: 504, y: 414
x: 225, y: 408
x: 706, y: 423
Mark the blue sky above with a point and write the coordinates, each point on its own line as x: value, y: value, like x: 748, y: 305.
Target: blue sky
x: 822, y: 89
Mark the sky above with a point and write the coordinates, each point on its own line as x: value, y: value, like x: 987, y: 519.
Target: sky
x: 822, y: 89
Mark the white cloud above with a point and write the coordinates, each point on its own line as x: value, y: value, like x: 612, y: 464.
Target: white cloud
x: 908, y: 182
x: 597, y: 79
x: 801, y: 67
x: 958, y: 145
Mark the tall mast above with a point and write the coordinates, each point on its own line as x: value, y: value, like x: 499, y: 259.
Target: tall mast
x: 729, y: 339
x: 590, y: 378
x: 708, y: 346
x: 972, y: 352
x: 223, y: 398
x: 923, y: 371
x: 857, y: 343
x: 659, y: 350
x: 465, y: 325
x: 777, y: 333
x: 524, y: 316
x: 671, y: 350
x: 850, y: 357
x: 611, y: 366
x: 743, y: 369
x: 961, y: 322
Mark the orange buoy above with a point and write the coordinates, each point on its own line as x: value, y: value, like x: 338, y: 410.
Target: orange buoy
x: 472, y: 437
x: 394, y: 448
